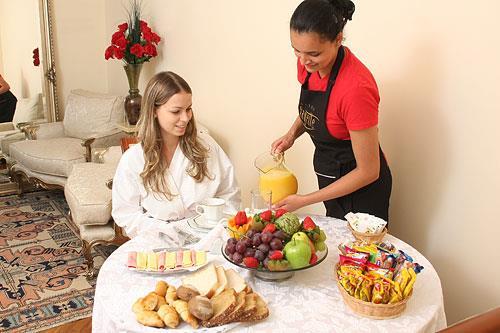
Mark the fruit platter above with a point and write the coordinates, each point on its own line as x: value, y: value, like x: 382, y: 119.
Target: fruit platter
x: 274, y: 244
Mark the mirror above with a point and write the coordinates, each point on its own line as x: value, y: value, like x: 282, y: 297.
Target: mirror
x: 26, y: 30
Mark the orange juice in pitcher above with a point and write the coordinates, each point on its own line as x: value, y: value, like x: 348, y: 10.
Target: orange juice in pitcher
x: 275, y: 177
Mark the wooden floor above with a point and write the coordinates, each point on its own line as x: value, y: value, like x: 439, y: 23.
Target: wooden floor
x: 80, y: 326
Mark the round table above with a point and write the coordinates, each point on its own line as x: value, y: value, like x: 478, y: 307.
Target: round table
x: 308, y: 302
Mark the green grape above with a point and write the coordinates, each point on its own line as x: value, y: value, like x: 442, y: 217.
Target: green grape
x: 322, y: 236
x: 320, y: 246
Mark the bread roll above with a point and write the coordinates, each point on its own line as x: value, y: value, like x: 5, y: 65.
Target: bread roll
x: 200, y: 307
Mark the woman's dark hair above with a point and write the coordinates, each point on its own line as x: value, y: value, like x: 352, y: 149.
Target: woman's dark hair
x: 324, y: 17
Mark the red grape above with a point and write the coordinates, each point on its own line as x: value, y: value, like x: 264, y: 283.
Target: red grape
x: 264, y: 248
x: 276, y: 244
x: 266, y: 237
x: 259, y: 255
x: 237, y: 257
x: 241, y: 247
x: 280, y: 234
x: 256, y: 240
x: 230, y: 248
x: 249, y: 252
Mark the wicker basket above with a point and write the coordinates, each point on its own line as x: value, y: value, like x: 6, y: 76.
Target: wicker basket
x: 367, y: 237
x: 371, y: 310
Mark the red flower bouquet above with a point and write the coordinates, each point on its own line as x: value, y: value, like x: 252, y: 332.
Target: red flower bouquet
x: 134, y: 42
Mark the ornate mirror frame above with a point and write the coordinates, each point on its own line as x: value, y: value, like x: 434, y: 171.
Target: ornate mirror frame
x: 49, y: 85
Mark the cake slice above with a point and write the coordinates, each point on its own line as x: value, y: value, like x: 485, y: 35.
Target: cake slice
x: 222, y: 304
x: 205, y: 280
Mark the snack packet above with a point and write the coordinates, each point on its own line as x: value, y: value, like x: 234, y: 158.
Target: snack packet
x: 381, y: 291
x: 384, y: 259
x: 374, y: 271
x: 411, y: 282
x: 396, y: 294
x: 364, y: 288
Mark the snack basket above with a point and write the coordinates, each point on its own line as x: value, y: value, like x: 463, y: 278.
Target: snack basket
x: 367, y: 237
x: 368, y: 309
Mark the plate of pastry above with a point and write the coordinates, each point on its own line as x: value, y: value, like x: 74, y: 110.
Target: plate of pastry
x: 163, y: 261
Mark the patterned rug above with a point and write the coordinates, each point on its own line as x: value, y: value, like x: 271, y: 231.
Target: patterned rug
x: 42, y: 281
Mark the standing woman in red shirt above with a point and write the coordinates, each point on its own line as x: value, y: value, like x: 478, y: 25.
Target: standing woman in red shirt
x: 338, y: 108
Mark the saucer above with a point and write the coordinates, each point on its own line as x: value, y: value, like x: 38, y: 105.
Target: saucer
x: 199, y: 223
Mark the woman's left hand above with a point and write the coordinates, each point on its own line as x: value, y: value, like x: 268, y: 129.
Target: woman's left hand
x: 291, y: 203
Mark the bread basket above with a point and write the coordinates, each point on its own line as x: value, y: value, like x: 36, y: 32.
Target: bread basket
x: 368, y: 309
x: 367, y: 237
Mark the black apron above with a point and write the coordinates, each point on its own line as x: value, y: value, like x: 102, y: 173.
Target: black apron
x: 334, y: 158
x: 7, y: 106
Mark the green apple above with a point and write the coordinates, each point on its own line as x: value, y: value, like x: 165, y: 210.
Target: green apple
x: 302, y: 236
x: 298, y: 253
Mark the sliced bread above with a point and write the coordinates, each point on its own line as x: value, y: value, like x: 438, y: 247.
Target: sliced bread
x: 221, y: 280
x: 222, y: 304
x: 204, y: 280
x: 259, y: 313
x: 235, y: 281
x: 250, y: 305
x: 238, y: 310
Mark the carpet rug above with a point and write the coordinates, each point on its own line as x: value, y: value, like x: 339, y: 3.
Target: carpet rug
x: 42, y: 268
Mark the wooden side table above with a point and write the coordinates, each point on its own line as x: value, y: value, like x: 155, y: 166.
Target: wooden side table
x: 131, y: 130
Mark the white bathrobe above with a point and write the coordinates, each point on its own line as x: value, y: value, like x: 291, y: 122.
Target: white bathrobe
x: 137, y: 211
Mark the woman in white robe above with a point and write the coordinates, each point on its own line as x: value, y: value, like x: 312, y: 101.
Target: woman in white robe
x: 182, y: 166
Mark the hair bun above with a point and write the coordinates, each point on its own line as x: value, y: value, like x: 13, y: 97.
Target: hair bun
x: 345, y: 7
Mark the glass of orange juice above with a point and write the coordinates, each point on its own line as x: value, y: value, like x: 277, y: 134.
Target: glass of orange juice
x: 275, y: 177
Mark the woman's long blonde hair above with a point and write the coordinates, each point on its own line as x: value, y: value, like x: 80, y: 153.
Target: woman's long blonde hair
x: 159, y: 90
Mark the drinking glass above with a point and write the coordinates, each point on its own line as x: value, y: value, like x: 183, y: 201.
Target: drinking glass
x: 260, y: 200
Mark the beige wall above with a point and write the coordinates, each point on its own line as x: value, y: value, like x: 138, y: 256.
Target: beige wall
x: 19, y: 35
x: 80, y: 41
x: 436, y: 64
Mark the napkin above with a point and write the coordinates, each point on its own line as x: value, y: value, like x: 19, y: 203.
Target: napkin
x: 367, y: 223
x: 212, y: 241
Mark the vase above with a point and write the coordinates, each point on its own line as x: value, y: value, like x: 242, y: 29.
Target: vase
x: 133, y: 100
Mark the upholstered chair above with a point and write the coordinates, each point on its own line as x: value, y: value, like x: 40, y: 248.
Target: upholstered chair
x: 88, y: 194
x: 28, y: 111
x: 52, y: 149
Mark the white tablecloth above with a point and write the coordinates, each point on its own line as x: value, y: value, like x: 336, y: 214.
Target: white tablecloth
x: 308, y: 302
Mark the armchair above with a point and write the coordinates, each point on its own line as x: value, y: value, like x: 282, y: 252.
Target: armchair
x: 52, y: 149
x: 28, y: 111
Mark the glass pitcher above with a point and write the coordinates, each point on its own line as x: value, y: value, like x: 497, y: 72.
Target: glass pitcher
x: 275, y: 177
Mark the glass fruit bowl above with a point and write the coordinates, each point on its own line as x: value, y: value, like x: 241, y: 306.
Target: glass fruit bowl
x: 267, y: 275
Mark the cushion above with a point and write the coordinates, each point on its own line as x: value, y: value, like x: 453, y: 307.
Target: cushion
x: 97, y: 232
x: 50, y: 156
x: 88, y: 197
x: 28, y: 109
x: 89, y: 114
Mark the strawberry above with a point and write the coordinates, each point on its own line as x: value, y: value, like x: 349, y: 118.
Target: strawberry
x: 240, y: 218
x: 251, y: 262
x: 279, y: 212
x: 271, y: 227
x: 314, y: 259
x: 276, y: 255
x: 266, y: 215
x: 308, y: 224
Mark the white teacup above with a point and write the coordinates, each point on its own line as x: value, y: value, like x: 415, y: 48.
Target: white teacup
x: 212, y: 210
